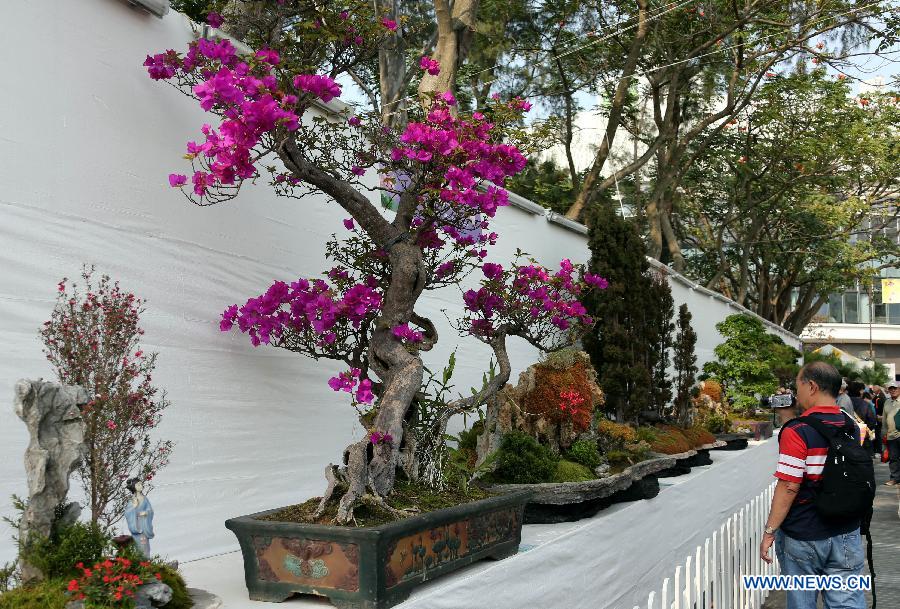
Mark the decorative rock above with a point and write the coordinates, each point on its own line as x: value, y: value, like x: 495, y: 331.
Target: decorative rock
x: 152, y: 595
x: 602, y: 470
x: 204, y: 600
x: 75, y: 605
x: 553, y: 502
x: 53, y: 417
x: 506, y: 412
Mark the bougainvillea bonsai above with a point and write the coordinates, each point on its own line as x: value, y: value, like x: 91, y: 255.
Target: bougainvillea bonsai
x: 445, y: 170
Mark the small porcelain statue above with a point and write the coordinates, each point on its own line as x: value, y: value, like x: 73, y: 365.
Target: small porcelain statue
x: 139, y: 516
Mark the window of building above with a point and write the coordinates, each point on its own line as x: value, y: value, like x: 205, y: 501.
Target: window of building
x: 835, y: 308
x: 851, y: 308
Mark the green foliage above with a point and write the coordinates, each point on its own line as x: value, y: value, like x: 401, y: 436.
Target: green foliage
x: 716, y: 423
x: 569, y: 471
x: 546, y: 184
x: 181, y: 599
x: 198, y: 9
x: 748, y: 360
x: 57, y: 555
x: 634, y: 318
x: 47, y: 594
x: 585, y: 452
x: 877, y: 374
x: 646, y: 434
x: 522, y: 460
x: 684, y: 361
x: 774, y: 207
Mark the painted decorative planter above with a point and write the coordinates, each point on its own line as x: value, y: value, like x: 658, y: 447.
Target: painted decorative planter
x: 374, y: 568
x: 553, y: 502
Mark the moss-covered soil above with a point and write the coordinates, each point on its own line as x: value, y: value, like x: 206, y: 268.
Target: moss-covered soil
x: 406, y: 496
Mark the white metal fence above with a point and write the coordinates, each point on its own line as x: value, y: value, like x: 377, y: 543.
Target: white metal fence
x: 711, y: 577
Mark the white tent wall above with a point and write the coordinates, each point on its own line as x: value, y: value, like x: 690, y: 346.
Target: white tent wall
x: 86, y: 142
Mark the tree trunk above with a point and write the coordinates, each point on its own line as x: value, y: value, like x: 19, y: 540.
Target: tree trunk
x: 455, y: 31
x: 589, y: 187
x: 402, y: 380
x: 392, y: 71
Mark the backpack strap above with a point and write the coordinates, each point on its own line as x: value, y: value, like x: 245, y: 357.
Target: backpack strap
x: 828, y: 431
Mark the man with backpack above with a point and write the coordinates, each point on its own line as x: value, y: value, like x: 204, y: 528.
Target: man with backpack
x: 825, y: 489
x: 890, y: 419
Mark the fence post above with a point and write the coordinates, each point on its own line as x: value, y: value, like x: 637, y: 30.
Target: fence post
x: 687, y: 582
x: 705, y: 603
x: 676, y: 591
x: 665, y: 595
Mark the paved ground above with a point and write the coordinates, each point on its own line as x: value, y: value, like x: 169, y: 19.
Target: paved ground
x: 885, y: 547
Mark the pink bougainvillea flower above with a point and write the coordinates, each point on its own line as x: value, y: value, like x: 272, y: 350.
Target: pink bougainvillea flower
x: 389, y: 24
x: 354, y: 121
x: 430, y: 65
x: 214, y: 19
x: 492, y: 271
x: 270, y: 56
x: 322, y: 87
x: 364, y: 394
x: 357, y: 170
x: 404, y: 332
x: 348, y: 223
x: 176, y: 180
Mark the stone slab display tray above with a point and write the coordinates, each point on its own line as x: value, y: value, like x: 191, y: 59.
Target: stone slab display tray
x: 375, y: 567
x: 732, y: 441
x: 553, y: 502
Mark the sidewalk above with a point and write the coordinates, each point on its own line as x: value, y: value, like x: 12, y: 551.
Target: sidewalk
x: 885, y: 547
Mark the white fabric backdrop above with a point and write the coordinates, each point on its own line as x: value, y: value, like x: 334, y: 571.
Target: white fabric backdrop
x: 86, y: 142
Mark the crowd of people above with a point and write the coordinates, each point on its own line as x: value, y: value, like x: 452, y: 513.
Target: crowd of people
x: 874, y: 408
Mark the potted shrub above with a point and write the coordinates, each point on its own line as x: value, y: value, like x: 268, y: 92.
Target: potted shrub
x: 443, y: 171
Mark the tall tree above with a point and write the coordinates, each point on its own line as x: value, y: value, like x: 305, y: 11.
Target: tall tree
x: 792, y: 200
x: 684, y: 361
x: 617, y: 346
x: 659, y: 310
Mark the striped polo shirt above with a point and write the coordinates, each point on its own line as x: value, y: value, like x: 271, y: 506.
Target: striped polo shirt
x: 801, y: 458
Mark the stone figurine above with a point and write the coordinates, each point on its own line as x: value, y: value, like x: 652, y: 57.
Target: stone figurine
x: 52, y: 413
x: 139, y: 516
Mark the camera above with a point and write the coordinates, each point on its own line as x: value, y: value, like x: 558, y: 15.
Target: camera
x: 780, y: 401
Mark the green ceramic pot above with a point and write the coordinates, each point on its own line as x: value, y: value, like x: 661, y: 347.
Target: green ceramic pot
x: 374, y: 568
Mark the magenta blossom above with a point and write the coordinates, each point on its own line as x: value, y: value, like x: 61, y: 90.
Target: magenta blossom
x: 389, y: 24
x: 214, y: 19
x: 364, y: 394
x: 430, y: 65
x: 176, y: 180
x: 378, y: 437
x: 321, y: 86
x: 492, y: 271
x: 404, y: 332
x: 348, y: 223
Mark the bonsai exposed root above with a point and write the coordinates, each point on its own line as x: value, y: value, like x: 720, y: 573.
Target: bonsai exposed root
x: 356, y: 475
x: 376, y: 501
x: 331, y: 474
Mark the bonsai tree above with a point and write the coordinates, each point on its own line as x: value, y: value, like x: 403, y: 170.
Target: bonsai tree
x: 750, y: 362
x: 629, y: 348
x: 685, y: 362
x: 444, y: 170
x: 92, y: 339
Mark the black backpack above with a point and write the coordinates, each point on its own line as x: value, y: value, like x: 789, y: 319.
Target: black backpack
x: 847, y: 489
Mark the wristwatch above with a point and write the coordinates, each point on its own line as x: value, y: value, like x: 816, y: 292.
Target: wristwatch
x: 770, y: 530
